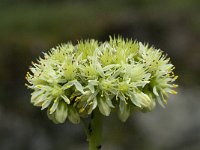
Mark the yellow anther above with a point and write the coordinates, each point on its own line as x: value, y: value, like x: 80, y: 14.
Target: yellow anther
x: 68, y: 86
x: 176, y: 77
x: 38, y: 86
x: 175, y: 85
x: 27, y: 74
x: 168, y: 75
x: 90, y: 103
x: 174, y: 92
x: 81, y: 110
x: 165, y: 101
x: 77, y: 98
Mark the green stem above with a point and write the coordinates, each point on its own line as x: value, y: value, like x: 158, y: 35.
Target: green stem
x: 95, y: 130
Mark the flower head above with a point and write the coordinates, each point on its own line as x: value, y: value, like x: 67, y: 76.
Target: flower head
x: 70, y: 81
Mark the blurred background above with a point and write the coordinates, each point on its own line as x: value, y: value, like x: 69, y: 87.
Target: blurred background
x: 30, y: 27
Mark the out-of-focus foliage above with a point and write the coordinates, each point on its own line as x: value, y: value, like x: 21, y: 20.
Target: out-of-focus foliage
x: 28, y: 27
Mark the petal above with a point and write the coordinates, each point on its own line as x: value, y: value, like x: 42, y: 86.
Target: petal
x: 73, y: 115
x: 36, y: 94
x: 109, y: 102
x: 51, y: 116
x: 143, y: 99
x: 160, y: 102
x: 155, y: 91
x: 61, y: 112
x: 78, y: 86
x: 124, y: 111
x: 134, y: 100
x: 54, y: 106
x: 109, y: 67
x: 46, y: 104
x: 67, y: 85
x: 66, y: 99
x: 99, y: 69
x: 94, y: 105
x: 103, y: 107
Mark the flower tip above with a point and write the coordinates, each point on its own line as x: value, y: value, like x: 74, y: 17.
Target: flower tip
x: 176, y: 77
x: 51, y: 110
x: 68, y: 86
x: 175, y: 85
x: 174, y: 92
x: 81, y: 110
x: 38, y: 86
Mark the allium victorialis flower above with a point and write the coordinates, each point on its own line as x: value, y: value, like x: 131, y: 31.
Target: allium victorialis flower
x: 70, y: 81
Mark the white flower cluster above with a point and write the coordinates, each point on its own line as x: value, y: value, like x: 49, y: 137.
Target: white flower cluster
x: 124, y: 75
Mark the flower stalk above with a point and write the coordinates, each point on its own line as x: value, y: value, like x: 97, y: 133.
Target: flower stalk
x: 95, y: 130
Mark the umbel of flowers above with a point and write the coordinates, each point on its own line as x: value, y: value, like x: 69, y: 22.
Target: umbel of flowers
x: 73, y: 81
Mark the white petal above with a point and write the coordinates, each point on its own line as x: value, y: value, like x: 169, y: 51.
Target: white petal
x: 46, y: 104
x: 66, y: 99
x: 73, y: 115
x: 61, y: 112
x: 123, y: 115
x: 103, y: 107
x: 155, y: 91
x: 54, y: 106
